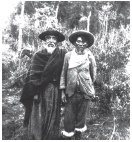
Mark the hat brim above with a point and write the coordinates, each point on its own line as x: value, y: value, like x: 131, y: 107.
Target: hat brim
x: 60, y: 36
x: 90, y: 38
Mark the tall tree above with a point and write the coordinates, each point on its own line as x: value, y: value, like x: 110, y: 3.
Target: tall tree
x: 21, y: 26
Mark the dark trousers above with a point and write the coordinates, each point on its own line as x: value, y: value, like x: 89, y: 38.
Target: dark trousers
x: 75, y: 112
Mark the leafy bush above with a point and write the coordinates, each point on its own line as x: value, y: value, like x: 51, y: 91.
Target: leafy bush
x: 8, y: 65
x: 18, y: 76
x: 121, y: 95
x: 14, y: 71
x: 112, y: 53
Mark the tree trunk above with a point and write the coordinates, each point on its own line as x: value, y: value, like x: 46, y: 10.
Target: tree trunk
x: 57, y: 9
x: 88, y: 21
x: 56, y: 13
x: 21, y: 27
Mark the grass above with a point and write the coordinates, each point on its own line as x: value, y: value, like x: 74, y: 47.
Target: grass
x: 100, y: 126
x: 12, y: 114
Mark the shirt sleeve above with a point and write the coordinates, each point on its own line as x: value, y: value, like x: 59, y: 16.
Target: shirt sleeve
x: 64, y: 73
x: 92, y: 67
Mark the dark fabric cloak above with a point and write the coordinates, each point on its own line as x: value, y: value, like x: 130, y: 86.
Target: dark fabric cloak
x: 44, y: 68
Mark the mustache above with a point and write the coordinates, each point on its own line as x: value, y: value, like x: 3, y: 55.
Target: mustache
x: 51, y: 44
x: 81, y: 45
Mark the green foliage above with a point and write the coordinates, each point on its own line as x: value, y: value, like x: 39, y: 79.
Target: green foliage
x: 29, y: 7
x: 18, y: 8
x: 5, y: 72
x: 18, y: 76
x: 111, y: 51
x: 12, y: 114
x: 70, y: 12
x: 8, y: 65
x: 113, y: 82
x: 14, y: 31
x: 123, y: 7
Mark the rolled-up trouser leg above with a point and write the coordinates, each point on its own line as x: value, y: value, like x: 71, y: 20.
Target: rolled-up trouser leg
x: 75, y: 114
x: 81, y: 115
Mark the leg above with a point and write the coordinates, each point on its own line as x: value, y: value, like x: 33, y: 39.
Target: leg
x: 81, y: 117
x: 70, y: 117
x: 77, y: 135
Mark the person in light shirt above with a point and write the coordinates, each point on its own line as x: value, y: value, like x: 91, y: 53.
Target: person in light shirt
x: 76, y: 84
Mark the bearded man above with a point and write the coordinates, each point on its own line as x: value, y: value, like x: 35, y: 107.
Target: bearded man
x: 41, y: 94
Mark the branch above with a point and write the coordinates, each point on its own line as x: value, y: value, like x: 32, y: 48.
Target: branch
x: 113, y: 130
x: 14, y: 82
x: 105, y: 121
x: 88, y: 135
x: 102, y: 123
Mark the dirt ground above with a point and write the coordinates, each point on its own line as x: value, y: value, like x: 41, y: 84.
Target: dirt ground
x: 100, y: 127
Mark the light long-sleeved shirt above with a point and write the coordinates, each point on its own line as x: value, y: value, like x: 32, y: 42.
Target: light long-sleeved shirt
x: 81, y: 74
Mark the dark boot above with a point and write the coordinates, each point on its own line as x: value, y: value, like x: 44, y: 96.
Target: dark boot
x: 77, y: 135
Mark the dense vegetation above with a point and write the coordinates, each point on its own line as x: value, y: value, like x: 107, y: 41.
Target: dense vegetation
x: 110, y: 23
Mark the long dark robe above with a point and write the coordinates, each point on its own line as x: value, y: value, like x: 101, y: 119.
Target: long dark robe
x: 44, y: 68
x: 45, y: 116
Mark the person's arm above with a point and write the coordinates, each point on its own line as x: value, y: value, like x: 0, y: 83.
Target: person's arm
x: 63, y: 79
x: 92, y: 67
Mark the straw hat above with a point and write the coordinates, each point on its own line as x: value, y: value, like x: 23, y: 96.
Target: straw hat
x: 89, y: 36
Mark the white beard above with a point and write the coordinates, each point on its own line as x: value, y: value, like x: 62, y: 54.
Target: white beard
x: 50, y: 49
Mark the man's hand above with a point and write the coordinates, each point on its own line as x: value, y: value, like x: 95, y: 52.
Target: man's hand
x: 95, y: 99
x: 63, y: 97
x: 36, y: 97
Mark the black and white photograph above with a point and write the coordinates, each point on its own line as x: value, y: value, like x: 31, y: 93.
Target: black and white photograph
x: 65, y: 70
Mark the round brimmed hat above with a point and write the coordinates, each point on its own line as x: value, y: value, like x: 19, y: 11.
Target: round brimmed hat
x: 89, y: 36
x: 60, y: 36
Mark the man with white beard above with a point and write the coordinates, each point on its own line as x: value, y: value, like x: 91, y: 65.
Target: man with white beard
x: 40, y: 94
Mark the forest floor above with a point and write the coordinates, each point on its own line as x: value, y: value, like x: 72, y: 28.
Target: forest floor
x: 101, y: 127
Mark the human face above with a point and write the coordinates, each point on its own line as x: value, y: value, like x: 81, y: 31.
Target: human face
x: 51, y: 41
x: 81, y: 43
